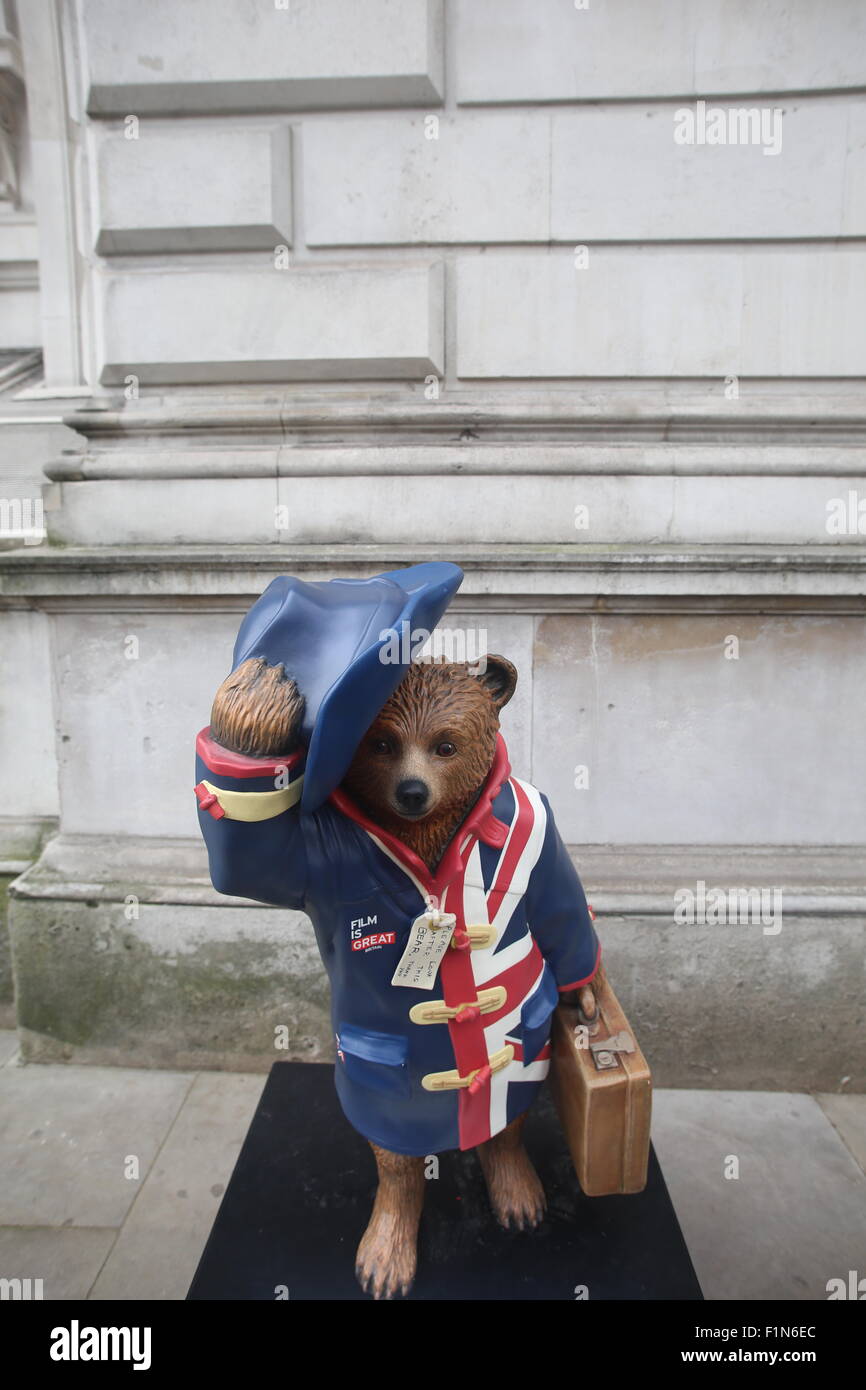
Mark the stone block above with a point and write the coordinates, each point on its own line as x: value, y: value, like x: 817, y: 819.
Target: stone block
x: 135, y: 511
x: 228, y: 56
x: 194, y: 189
x: 133, y: 692
x: 273, y: 324
x: 685, y: 745
x: 618, y: 175
x: 27, y: 736
x: 577, y: 509
x: 520, y: 50
x: 374, y: 181
x: 654, y: 313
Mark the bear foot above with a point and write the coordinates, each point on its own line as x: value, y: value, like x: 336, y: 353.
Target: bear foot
x: 514, y: 1187
x: 387, y: 1257
x: 388, y: 1253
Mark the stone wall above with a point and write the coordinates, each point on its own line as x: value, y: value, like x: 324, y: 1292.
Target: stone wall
x: 344, y: 286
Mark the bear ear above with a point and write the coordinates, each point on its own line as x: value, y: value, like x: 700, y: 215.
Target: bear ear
x: 499, y: 677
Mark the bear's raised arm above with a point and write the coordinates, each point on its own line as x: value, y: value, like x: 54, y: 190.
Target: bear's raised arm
x: 249, y: 774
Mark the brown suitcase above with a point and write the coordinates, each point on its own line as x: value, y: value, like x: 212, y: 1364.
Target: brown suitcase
x: 602, y: 1088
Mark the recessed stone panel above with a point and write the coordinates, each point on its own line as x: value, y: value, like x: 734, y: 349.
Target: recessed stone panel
x: 195, y: 189
x: 273, y: 324
x: 242, y: 55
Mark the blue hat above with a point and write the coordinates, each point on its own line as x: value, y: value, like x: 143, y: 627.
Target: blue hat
x: 332, y: 638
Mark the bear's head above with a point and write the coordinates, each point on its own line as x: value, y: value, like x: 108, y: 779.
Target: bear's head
x: 425, y: 757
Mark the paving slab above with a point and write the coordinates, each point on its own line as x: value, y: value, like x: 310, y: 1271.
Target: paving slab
x: 67, y: 1259
x: 8, y: 1045
x: 795, y: 1216
x: 69, y: 1135
x: 847, y: 1114
x: 157, y: 1251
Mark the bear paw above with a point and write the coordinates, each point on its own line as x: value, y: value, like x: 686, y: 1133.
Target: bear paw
x: 515, y: 1190
x: 387, y: 1256
x: 257, y: 710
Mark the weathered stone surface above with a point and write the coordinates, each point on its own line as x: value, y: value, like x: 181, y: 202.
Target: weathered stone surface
x: 726, y: 1006
x: 141, y: 686
x: 685, y: 744
x: 182, y: 986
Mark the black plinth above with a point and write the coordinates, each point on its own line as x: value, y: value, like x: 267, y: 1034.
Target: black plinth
x: 302, y: 1191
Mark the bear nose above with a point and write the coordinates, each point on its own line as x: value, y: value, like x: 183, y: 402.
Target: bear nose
x: 412, y: 795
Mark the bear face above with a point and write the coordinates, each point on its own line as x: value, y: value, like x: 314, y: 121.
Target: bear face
x: 421, y: 764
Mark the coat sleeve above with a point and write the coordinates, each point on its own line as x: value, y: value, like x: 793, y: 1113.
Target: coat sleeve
x: 558, y: 915
x: 248, y: 814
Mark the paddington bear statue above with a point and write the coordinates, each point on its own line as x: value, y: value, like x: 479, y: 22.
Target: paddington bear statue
x: 373, y: 791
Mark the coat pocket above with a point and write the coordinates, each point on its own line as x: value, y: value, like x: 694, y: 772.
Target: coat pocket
x: 378, y: 1061
x: 536, y: 1014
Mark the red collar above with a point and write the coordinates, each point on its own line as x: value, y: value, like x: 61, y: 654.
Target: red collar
x: 479, y: 824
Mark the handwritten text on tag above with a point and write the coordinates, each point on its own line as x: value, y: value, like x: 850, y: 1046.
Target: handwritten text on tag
x: 427, y: 944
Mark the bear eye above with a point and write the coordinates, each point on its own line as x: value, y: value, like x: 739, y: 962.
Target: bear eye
x: 445, y: 749
x: 381, y: 745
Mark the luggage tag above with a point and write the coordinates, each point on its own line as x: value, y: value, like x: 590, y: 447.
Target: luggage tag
x: 429, y: 939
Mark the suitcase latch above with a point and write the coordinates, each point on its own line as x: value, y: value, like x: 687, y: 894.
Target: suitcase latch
x: 604, y: 1051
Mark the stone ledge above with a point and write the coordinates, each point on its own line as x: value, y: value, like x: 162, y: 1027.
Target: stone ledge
x: 187, y: 985
x: 828, y: 410
x: 476, y: 457
x: 624, y: 881
x: 508, y: 578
